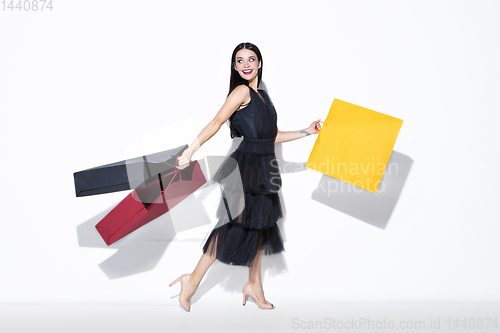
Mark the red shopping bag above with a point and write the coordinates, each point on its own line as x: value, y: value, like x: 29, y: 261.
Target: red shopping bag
x: 147, y: 203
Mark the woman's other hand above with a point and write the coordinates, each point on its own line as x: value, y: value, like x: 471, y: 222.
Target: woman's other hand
x: 315, y: 127
x: 184, y: 160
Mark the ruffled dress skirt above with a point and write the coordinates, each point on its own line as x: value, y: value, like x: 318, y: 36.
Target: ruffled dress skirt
x: 250, y: 206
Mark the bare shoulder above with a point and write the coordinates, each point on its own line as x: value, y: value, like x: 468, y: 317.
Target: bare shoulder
x: 240, y: 93
x: 239, y: 97
x: 236, y: 98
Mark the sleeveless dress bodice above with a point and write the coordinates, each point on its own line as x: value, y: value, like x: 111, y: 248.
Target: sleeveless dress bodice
x: 250, y: 181
x: 258, y: 119
x: 257, y: 122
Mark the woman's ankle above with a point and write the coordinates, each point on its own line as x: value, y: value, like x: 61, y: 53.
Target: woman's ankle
x: 195, y: 280
x: 255, y: 283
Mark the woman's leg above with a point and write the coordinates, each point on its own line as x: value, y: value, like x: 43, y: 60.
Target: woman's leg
x: 254, y: 279
x: 197, y: 275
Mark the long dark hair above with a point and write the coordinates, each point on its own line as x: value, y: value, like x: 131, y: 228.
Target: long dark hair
x: 237, y: 80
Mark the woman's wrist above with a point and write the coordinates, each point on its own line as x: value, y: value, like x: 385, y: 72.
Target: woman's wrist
x: 306, y: 132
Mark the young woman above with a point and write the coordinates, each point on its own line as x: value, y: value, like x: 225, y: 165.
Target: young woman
x: 248, y: 211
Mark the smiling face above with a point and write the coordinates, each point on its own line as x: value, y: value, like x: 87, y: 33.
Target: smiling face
x: 247, y: 64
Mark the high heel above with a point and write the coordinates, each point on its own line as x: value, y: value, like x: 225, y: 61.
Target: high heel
x: 247, y: 291
x: 184, y: 278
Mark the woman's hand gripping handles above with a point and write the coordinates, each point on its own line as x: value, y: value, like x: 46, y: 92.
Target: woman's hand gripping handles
x: 315, y: 127
x: 184, y: 160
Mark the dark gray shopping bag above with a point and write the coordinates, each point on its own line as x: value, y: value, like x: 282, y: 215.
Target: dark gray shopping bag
x: 127, y: 174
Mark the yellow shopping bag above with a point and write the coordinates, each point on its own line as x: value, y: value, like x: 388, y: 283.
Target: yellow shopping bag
x: 354, y: 145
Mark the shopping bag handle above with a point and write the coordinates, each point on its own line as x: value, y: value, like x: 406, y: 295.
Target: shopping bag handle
x: 175, y: 172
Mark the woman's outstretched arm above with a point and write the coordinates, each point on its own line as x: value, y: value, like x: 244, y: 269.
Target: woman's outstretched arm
x: 237, y: 97
x: 314, y: 128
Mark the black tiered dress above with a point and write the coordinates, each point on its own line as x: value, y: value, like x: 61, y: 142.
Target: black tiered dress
x: 250, y: 181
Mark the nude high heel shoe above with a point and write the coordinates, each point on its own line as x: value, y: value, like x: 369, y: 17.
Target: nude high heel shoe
x: 184, y: 278
x: 247, y: 291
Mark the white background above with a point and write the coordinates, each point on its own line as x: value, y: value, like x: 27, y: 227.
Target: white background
x: 94, y: 82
